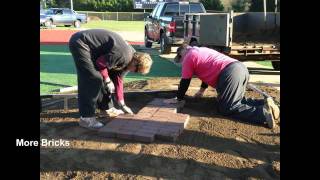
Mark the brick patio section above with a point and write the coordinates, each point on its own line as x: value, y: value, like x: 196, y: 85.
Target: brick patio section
x: 157, y: 120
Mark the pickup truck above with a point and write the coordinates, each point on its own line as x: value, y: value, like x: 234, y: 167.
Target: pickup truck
x: 62, y: 16
x: 164, y: 25
x: 244, y: 35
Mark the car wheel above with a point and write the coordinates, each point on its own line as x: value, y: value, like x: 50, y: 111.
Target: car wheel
x: 77, y: 24
x: 276, y: 65
x: 48, y: 23
x: 165, y: 48
x: 147, y: 43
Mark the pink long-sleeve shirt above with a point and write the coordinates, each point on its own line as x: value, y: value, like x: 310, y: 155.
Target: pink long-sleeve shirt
x: 205, y: 63
x: 118, y: 81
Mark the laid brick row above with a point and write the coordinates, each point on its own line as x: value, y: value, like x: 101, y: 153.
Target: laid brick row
x: 157, y: 120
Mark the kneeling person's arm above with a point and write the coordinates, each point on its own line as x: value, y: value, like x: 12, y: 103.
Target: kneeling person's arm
x: 183, y: 87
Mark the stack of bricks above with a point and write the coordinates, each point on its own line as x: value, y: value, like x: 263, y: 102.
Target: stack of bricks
x: 157, y: 120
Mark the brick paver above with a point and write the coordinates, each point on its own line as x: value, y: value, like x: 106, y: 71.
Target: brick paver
x: 157, y: 120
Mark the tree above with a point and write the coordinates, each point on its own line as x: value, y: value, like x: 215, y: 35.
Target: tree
x: 212, y: 5
x: 241, y: 5
x: 257, y: 6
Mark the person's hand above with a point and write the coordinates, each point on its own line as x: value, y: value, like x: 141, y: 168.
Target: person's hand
x: 125, y: 108
x: 109, y: 85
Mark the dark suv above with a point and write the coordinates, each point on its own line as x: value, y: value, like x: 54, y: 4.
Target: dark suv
x: 165, y: 23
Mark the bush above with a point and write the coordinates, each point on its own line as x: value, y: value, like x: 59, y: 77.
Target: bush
x: 94, y: 18
x: 212, y: 5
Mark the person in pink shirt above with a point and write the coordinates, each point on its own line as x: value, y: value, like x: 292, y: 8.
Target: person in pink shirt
x: 230, y: 77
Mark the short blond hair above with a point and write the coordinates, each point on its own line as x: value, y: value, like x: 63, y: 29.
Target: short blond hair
x: 143, y: 62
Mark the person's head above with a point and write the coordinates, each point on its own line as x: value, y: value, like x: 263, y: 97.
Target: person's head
x: 141, y: 63
x: 181, y: 51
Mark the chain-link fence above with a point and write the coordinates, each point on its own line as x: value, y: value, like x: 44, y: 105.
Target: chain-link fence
x: 117, y: 16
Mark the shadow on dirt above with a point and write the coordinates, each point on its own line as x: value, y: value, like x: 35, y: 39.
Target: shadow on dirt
x: 63, y: 130
x: 60, y: 124
x: 139, y: 164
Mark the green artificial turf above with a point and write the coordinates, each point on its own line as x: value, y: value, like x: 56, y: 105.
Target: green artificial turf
x: 57, y: 69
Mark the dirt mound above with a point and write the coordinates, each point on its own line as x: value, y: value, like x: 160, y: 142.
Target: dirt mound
x: 135, y: 85
x: 264, y: 37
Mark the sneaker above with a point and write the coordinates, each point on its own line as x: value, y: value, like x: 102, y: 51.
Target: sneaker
x: 269, y: 116
x: 90, y: 123
x: 275, y: 109
x: 112, y: 112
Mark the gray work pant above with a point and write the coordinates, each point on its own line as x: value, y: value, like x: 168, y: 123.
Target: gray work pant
x: 231, y: 88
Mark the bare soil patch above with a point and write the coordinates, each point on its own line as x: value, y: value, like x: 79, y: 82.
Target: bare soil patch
x: 212, y: 146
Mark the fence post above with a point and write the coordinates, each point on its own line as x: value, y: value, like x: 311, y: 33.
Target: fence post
x: 131, y: 16
x: 117, y: 16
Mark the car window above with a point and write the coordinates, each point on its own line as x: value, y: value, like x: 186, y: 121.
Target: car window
x: 154, y: 11
x: 67, y: 11
x: 58, y: 12
x: 196, y: 8
x: 49, y: 12
x: 173, y: 9
x: 159, y: 10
